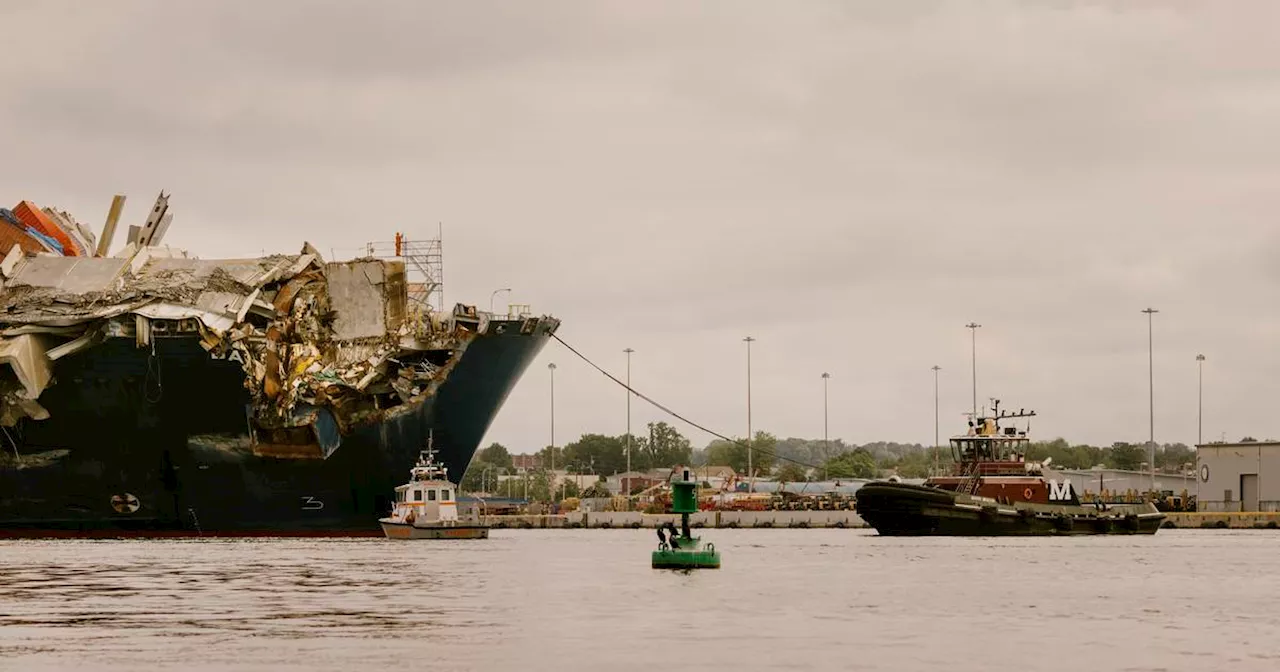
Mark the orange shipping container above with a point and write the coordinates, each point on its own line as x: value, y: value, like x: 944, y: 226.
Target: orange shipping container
x: 11, y: 235
x: 31, y: 215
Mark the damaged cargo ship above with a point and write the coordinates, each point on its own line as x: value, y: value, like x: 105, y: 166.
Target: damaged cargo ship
x: 150, y: 393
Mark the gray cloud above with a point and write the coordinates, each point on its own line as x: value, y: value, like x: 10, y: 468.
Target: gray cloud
x: 849, y: 183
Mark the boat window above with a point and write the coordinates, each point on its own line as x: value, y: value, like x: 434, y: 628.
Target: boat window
x: 417, y: 495
x: 444, y: 495
x: 431, y: 495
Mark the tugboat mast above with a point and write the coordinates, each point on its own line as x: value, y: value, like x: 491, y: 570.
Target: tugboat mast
x: 987, y: 442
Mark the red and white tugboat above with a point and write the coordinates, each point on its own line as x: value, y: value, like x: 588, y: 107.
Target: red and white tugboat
x: 992, y: 491
x: 427, y: 508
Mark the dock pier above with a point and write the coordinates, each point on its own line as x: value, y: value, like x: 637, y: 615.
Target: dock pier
x: 814, y: 519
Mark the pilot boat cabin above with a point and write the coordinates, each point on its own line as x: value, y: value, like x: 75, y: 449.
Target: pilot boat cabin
x: 427, y: 500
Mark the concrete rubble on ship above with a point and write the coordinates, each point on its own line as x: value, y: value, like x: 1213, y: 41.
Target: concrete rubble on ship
x: 325, y: 346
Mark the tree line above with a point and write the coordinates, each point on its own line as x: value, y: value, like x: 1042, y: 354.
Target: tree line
x: 792, y: 459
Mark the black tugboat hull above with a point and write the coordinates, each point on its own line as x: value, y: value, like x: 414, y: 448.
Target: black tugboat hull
x: 899, y: 509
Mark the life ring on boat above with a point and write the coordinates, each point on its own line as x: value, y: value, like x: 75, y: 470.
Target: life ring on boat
x: 410, y: 517
x: 1027, y: 494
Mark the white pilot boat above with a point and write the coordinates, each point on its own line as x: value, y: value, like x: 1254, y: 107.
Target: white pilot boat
x: 427, y: 508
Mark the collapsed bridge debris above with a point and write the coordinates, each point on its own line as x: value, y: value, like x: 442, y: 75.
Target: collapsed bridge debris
x: 325, y: 346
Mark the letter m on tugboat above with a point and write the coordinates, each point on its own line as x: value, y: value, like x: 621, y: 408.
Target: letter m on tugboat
x: 1060, y: 492
x: 992, y: 490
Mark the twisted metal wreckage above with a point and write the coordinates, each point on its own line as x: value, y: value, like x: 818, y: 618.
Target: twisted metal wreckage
x: 325, y: 346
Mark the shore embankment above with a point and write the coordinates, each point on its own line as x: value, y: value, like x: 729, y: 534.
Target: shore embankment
x: 814, y: 519
x: 1234, y: 521
x: 713, y: 519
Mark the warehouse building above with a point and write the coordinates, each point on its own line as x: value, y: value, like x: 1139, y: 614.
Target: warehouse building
x: 1238, y: 476
x: 1118, y: 483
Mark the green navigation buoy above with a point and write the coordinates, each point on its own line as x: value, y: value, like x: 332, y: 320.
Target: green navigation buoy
x: 684, y: 551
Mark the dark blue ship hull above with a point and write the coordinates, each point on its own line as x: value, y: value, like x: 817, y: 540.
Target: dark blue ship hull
x: 153, y: 445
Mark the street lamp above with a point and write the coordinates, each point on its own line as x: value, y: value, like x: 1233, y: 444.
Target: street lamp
x: 1200, y: 402
x: 1151, y: 394
x: 627, y: 480
x: 973, y: 328
x: 495, y: 293
x: 826, y: 444
x: 751, y: 483
x: 1199, y: 423
x: 936, y: 369
x: 552, y: 490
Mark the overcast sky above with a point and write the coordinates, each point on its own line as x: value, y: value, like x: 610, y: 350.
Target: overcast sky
x: 849, y: 183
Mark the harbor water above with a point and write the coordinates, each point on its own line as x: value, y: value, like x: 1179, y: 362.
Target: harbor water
x: 784, y: 599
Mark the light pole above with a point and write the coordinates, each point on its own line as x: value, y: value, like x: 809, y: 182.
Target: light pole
x: 552, y: 489
x: 1200, y: 402
x: 826, y: 443
x: 973, y: 328
x: 936, y: 369
x: 1199, y: 426
x: 751, y: 483
x: 627, y: 480
x: 495, y: 293
x: 1151, y: 394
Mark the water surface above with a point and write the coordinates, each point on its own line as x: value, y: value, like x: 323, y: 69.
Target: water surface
x: 586, y: 599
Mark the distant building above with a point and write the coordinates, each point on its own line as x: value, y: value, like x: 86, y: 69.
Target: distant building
x: 715, y: 475
x: 1238, y: 476
x: 1115, y: 483
x: 581, y: 481
x: 637, y: 480
x: 523, y: 463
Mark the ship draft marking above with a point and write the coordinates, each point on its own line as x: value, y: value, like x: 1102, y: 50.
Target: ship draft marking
x: 311, y: 504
